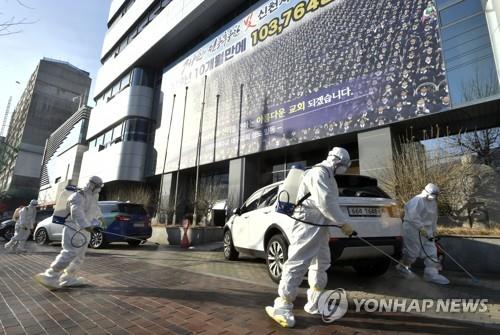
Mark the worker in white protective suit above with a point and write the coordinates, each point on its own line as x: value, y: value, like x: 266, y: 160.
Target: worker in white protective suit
x: 84, y: 217
x: 309, y: 245
x: 23, y: 227
x: 419, y: 224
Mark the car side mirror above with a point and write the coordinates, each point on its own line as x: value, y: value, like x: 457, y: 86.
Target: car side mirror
x: 237, y: 211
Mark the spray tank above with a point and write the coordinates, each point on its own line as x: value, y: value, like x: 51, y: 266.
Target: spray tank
x: 287, y: 193
x: 61, y: 210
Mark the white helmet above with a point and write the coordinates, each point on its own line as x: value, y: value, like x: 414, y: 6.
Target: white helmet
x: 432, y: 191
x: 340, y: 159
x: 33, y: 203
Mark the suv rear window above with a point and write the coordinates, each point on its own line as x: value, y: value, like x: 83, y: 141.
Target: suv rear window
x: 132, y: 209
x: 108, y: 208
x: 359, y: 186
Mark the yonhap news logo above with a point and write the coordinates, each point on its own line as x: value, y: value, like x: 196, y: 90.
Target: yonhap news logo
x: 333, y: 305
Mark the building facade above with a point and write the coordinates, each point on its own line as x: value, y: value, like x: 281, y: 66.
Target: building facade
x: 226, y: 95
x: 62, y: 157
x: 51, y: 96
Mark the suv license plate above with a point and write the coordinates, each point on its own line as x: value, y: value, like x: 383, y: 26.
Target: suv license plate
x: 139, y: 225
x: 364, y: 211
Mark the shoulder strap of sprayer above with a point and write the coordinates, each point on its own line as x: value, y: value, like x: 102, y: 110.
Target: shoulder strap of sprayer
x: 308, y: 194
x: 78, y: 190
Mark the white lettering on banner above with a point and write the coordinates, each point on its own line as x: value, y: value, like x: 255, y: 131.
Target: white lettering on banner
x: 271, y: 7
x: 333, y: 305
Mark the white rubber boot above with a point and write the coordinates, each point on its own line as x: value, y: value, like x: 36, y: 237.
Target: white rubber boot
x: 311, y: 307
x: 70, y: 280
x: 431, y: 274
x: 49, y: 279
x: 282, y: 313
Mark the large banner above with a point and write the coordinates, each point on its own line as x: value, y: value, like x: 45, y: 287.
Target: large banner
x: 291, y: 71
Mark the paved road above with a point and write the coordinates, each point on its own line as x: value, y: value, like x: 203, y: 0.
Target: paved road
x: 151, y: 290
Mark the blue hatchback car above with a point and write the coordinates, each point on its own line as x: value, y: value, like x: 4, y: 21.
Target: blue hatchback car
x: 123, y: 218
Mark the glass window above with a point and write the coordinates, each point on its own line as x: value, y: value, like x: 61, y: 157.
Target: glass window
x: 123, y: 45
x: 125, y: 81
x: 132, y: 209
x: 141, y: 77
x: 252, y: 202
x: 115, y: 89
x: 106, y: 137
x: 444, y: 3
x: 460, y: 10
x: 117, y: 131
x: 132, y: 35
x: 155, y: 11
x: 469, y: 57
x: 268, y: 197
x: 99, y: 140
x: 141, y: 126
x: 144, y: 22
x: 108, y: 208
x: 165, y: 3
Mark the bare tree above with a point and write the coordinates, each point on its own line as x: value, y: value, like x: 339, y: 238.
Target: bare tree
x: 12, y: 25
x: 481, y: 143
x: 137, y: 194
x: 480, y: 86
x: 414, y: 166
x: 210, y: 192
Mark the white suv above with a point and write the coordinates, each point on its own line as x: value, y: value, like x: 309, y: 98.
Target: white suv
x: 257, y: 229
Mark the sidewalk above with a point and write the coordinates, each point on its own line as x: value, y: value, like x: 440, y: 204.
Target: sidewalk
x: 130, y: 296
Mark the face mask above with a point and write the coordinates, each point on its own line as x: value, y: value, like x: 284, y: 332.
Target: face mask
x: 431, y: 197
x: 340, y: 169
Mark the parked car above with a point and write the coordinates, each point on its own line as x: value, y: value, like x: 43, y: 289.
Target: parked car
x: 7, y: 229
x: 119, y: 217
x: 257, y: 229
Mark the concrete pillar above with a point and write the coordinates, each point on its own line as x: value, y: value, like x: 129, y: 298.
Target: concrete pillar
x: 236, y: 182
x: 376, y: 154
x: 243, y: 180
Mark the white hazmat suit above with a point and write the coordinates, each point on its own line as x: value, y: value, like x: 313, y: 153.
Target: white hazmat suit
x: 309, y: 245
x: 23, y: 227
x: 420, y: 223
x: 84, y: 215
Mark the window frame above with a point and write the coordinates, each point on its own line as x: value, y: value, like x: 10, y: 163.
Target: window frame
x: 254, y: 197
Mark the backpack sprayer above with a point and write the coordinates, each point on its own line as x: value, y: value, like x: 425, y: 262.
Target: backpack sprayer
x: 289, y: 190
x: 475, y: 280
x: 62, y: 212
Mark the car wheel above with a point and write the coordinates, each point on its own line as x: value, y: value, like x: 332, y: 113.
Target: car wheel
x: 134, y: 243
x: 230, y: 253
x: 374, y: 268
x: 42, y: 237
x: 96, y: 240
x: 276, y: 256
x: 9, y: 233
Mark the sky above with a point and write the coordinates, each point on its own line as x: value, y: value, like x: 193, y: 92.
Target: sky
x: 67, y: 30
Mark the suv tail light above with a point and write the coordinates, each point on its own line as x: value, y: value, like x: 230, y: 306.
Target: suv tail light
x: 122, y: 218
x: 394, y: 211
